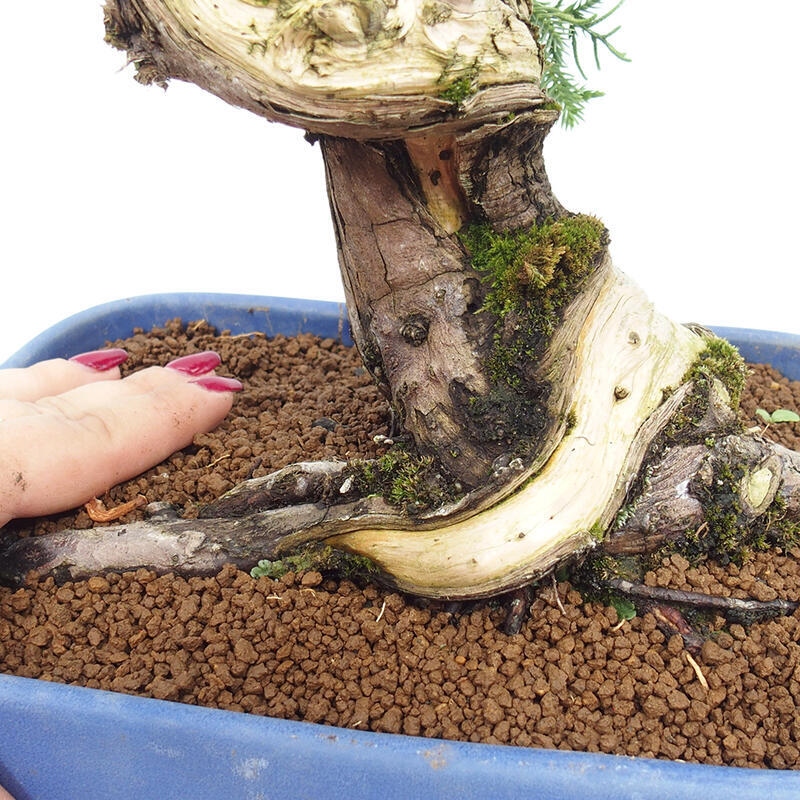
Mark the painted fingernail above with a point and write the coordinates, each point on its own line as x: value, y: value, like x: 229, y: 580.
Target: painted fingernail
x: 216, y: 383
x: 196, y: 363
x: 101, y: 360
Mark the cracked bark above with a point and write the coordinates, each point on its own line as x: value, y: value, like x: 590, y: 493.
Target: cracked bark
x: 412, y: 293
x: 400, y: 269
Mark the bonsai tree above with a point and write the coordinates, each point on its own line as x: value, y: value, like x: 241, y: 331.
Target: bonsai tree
x: 542, y: 405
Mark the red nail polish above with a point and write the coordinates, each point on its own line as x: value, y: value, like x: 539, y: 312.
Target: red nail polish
x: 196, y: 363
x: 101, y: 360
x: 216, y: 383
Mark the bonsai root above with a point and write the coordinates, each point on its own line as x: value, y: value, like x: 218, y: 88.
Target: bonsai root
x: 518, y: 609
x: 303, y: 482
x: 733, y: 609
x: 480, y: 544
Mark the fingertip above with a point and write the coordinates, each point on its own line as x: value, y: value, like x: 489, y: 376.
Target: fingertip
x: 196, y: 363
x: 101, y: 360
x: 57, y: 375
x: 218, y: 383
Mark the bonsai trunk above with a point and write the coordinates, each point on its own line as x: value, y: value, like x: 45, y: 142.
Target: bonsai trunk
x: 566, y: 386
x: 416, y: 302
x: 531, y: 381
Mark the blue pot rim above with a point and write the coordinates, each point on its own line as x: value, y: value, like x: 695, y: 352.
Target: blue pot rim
x: 241, y: 313
x: 238, y: 313
x: 72, y: 741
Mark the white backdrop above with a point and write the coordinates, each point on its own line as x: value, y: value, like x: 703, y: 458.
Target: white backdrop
x: 110, y: 189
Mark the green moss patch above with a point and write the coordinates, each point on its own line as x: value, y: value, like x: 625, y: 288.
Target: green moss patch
x: 413, y: 483
x: 728, y: 535
x: 316, y: 557
x: 531, y: 275
x: 458, y: 91
x: 719, y: 362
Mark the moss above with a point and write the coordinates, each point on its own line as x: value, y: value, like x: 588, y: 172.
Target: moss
x: 459, y: 80
x: 458, y: 91
x: 597, y: 531
x: 728, y: 535
x: 591, y: 574
x: 317, y: 557
x: 407, y: 481
x: 778, y: 531
x: 507, y: 415
x: 719, y: 362
x: 531, y: 275
x: 724, y: 536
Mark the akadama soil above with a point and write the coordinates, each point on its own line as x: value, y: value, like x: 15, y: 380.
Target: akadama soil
x: 312, y: 647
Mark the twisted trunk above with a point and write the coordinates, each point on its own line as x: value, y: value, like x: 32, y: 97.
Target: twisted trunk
x: 538, y: 380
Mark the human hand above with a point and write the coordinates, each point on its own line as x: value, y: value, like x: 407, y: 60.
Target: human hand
x: 71, y: 429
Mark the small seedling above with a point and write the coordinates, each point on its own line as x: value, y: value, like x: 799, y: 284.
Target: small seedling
x: 625, y: 609
x: 779, y: 415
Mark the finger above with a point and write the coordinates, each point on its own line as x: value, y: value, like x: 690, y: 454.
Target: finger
x: 57, y: 375
x: 89, y: 439
x: 47, y: 374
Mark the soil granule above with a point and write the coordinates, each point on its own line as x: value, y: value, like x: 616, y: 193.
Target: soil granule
x: 316, y: 648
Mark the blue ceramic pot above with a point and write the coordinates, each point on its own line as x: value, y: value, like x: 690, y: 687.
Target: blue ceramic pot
x: 69, y: 743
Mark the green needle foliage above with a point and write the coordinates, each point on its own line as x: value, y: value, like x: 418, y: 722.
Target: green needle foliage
x: 559, y: 28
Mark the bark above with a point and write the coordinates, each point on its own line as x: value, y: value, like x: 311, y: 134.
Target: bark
x: 732, y: 608
x: 685, y: 484
x: 414, y: 298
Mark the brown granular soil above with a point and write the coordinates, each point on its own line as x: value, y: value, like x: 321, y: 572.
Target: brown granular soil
x: 316, y: 648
